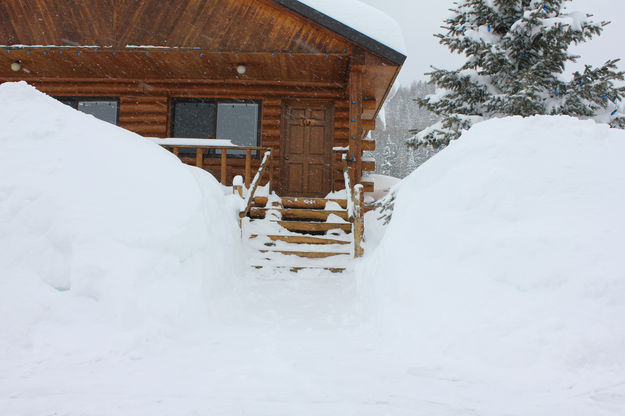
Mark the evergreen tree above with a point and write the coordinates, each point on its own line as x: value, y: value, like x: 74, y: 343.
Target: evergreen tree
x: 400, y: 115
x: 516, y: 55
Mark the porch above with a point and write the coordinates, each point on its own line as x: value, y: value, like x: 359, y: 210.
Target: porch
x: 326, y: 231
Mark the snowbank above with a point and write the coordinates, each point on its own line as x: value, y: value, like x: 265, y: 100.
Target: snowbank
x: 382, y: 185
x: 503, y: 267
x: 100, y: 227
x: 364, y: 19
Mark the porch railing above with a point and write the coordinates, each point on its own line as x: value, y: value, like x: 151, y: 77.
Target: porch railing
x: 227, y: 152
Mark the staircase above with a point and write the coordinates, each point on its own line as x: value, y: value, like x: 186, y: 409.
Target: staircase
x: 299, y: 233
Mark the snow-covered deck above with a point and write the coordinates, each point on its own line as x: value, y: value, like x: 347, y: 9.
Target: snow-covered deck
x: 189, y: 142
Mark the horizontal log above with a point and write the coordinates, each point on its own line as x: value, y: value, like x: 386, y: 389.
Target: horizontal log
x: 369, y: 186
x: 272, y: 111
x: 368, y: 145
x: 158, y: 108
x: 341, y: 133
x: 143, y: 118
x: 186, y: 81
x: 369, y: 104
x: 272, y: 102
x: 144, y: 129
x: 368, y: 165
x: 142, y: 99
x: 368, y: 125
x: 271, y: 132
x: 270, y: 123
x: 221, y: 91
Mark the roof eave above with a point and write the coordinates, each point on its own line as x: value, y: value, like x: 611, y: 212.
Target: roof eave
x: 347, y: 32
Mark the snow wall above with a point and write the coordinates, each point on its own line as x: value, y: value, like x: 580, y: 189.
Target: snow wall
x: 99, y: 225
x: 504, y: 262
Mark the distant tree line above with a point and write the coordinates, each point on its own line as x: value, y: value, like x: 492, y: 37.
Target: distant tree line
x: 402, y: 115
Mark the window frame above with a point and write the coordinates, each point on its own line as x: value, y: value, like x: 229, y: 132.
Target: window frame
x: 77, y: 98
x: 212, y: 153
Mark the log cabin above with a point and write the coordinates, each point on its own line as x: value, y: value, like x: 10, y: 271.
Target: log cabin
x: 261, y: 75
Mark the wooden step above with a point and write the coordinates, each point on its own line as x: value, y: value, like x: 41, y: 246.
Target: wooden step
x: 310, y: 203
x: 306, y: 254
x: 260, y: 201
x: 296, y: 269
x: 300, y: 226
x: 302, y: 239
x: 298, y: 214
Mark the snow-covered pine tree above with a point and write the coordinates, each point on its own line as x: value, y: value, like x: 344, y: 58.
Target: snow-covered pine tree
x: 516, y: 55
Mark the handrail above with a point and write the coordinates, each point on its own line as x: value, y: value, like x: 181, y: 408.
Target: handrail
x: 257, y: 178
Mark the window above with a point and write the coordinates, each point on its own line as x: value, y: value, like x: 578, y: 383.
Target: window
x: 234, y: 120
x: 105, y: 109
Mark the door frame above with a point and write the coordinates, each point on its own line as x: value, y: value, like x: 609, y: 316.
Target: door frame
x: 330, y: 112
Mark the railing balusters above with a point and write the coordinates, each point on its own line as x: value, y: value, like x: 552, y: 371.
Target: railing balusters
x: 210, y: 163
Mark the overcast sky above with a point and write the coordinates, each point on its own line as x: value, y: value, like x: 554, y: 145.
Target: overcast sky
x: 420, y: 19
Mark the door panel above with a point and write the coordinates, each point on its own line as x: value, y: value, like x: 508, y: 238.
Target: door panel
x: 316, y: 172
x: 306, y: 149
x: 296, y: 177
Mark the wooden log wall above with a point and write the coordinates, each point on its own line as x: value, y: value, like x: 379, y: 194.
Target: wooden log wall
x: 145, y: 110
x: 146, y: 115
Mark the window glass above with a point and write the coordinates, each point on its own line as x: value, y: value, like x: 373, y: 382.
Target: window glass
x: 103, y: 110
x: 238, y: 122
x: 69, y: 102
x: 234, y: 121
x: 194, y: 120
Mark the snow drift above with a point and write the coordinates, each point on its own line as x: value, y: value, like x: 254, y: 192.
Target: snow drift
x: 98, y: 224
x: 504, y: 265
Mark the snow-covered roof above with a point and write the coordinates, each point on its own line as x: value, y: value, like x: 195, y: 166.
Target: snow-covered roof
x: 356, y: 21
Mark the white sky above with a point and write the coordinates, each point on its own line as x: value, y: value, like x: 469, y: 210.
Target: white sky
x: 420, y: 19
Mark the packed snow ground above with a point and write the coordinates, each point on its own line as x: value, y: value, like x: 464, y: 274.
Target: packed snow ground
x: 496, y: 290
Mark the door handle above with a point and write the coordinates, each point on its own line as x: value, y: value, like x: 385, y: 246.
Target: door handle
x: 286, y: 158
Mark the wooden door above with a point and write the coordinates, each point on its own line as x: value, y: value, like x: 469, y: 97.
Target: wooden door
x: 306, y: 149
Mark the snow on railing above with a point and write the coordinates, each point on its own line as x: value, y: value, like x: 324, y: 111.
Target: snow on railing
x: 349, y: 192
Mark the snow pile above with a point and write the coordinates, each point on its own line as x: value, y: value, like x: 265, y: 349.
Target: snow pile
x: 100, y: 227
x: 503, y: 267
x: 363, y: 18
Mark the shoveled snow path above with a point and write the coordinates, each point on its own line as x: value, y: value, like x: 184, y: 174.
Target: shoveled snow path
x: 281, y: 344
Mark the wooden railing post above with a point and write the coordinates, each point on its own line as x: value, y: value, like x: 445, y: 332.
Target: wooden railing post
x: 224, y: 158
x: 248, y: 167
x: 359, y: 220
x: 237, y: 186
x: 199, y: 157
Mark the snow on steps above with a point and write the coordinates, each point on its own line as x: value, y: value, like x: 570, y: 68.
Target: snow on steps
x: 299, y: 234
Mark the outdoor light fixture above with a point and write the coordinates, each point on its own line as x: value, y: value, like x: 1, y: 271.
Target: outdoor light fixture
x: 241, y: 69
x: 16, y: 66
